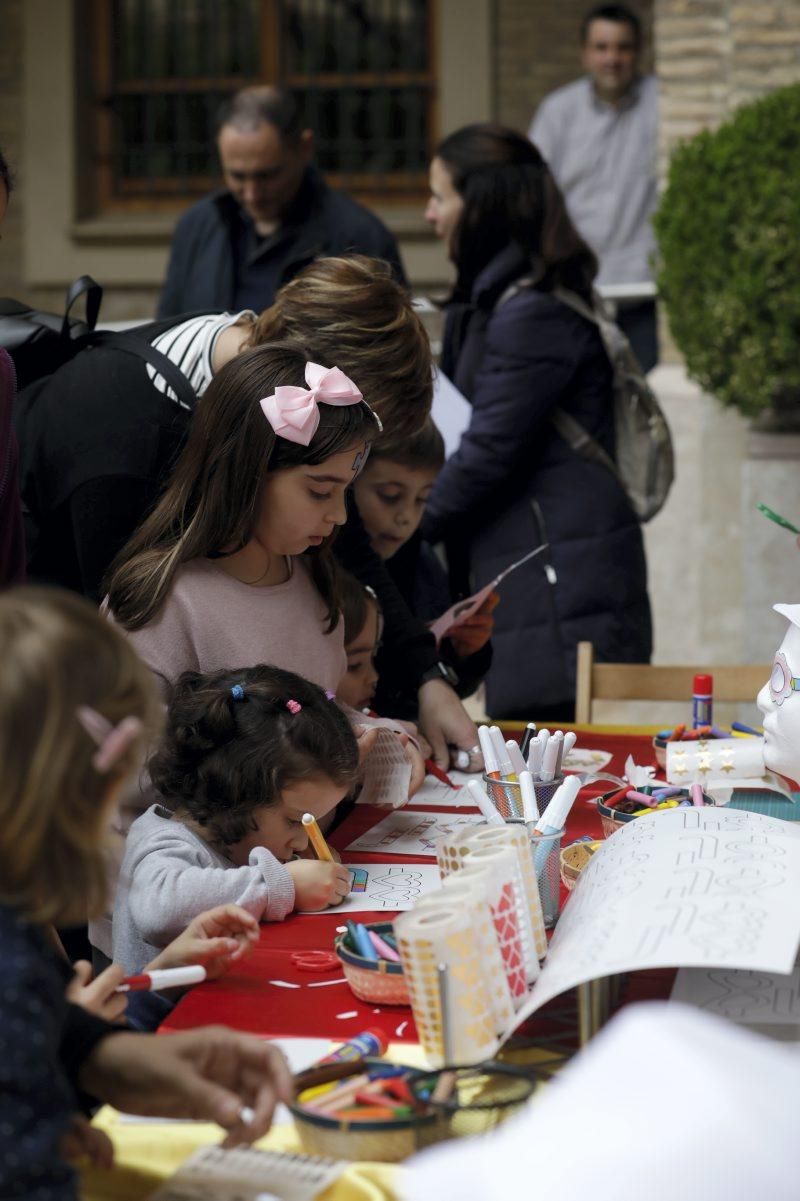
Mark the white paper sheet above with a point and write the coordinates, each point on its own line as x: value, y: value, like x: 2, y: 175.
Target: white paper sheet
x: 390, y: 886
x: 751, y: 998
x: 463, y: 609
x: 582, y: 760
x: 451, y: 411
x: 406, y: 833
x: 435, y: 795
x: 248, y: 1174
x: 387, y: 773
x: 686, y: 888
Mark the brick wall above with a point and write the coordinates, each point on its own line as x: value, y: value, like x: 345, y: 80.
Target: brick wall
x: 712, y: 55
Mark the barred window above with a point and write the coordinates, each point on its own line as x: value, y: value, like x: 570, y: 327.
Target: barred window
x: 156, y: 71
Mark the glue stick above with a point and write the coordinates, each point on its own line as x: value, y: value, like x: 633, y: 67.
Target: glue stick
x: 702, y: 700
x: 367, y: 1043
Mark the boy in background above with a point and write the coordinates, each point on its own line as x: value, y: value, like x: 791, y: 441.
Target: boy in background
x: 391, y: 493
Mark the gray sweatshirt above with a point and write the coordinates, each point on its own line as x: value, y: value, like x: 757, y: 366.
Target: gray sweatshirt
x: 169, y: 875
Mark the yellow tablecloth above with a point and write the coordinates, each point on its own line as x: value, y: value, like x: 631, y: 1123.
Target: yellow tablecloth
x: 148, y: 1153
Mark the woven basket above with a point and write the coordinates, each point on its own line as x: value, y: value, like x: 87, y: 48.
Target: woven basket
x: 573, y: 860
x: 611, y: 820
x: 376, y: 982
x: 382, y: 1142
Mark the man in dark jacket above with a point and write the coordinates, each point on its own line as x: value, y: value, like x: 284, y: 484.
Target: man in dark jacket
x: 235, y: 248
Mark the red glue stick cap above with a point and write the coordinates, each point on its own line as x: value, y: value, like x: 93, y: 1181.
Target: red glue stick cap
x: 703, y: 685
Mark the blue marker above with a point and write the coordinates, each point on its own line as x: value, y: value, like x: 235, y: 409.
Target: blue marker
x: 743, y: 729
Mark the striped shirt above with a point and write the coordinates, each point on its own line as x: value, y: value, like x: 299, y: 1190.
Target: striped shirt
x: 190, y: 346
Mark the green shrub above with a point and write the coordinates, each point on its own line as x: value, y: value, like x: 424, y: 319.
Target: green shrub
x: 728, y: 228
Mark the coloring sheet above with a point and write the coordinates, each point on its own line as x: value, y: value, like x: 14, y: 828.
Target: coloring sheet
x: 248, y: 1174
x: 387, y: 773
x: 390, y: 886
x: 407, y: 833
x: 752, y: 998
x: 463, y: 609
x: 708, y: 888
x: 581, y: 760
x: 435, y: 795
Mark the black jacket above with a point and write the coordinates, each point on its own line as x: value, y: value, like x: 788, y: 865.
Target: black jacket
x: 208, y: 247
x: 514, y: 483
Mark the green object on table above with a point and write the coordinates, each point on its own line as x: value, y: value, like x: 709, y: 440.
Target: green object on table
x: 776, y: 517
x: 767, y: 803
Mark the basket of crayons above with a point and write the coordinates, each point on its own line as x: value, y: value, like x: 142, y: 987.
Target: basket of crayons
x: 363, y: 1109
x: 473, y: 1100
x: 371, y: 963
x: 574, y: 859
x: 626, y: 804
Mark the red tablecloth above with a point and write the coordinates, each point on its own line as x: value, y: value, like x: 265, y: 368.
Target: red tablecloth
x: 268, y: 994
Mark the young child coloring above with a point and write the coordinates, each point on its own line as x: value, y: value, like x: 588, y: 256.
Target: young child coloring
x: 245, y: 755
x: 391, y: 493
x: 76, y: 708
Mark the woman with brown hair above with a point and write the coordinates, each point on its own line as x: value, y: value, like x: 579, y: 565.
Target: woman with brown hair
x: 519, y: 352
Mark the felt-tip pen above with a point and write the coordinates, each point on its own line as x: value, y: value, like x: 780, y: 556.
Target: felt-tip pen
x: 168, y: 977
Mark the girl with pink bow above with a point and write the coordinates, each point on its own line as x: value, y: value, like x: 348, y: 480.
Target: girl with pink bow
x: 233, y: 567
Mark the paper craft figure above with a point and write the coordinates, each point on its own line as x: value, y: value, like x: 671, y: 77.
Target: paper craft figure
x: 461, y: 610
x: 387, y: 773
x: 779, y: 704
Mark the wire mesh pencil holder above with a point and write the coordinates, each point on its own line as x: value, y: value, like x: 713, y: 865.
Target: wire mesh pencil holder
x: 506, y: 795
x: 546, y: 857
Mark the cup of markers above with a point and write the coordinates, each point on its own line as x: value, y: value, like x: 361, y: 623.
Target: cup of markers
x: 371, y: 963
x: 626, y: 804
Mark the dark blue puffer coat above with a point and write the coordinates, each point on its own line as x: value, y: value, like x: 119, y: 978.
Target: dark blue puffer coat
x: 514, y: 483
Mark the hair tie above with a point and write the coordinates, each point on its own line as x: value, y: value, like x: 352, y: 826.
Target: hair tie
x: 331, y: 696
x: 237, y: 692
x: 112, y: 741
x: 293, y: 706
x: 293, y: 412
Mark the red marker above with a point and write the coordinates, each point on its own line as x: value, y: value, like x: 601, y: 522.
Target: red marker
x: 170, y: 977
x: 433, y: 769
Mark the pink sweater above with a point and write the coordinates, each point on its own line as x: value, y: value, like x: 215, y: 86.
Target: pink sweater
x: 211, y: 621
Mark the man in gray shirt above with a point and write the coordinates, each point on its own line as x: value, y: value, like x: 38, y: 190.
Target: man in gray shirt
x: 599, y: 137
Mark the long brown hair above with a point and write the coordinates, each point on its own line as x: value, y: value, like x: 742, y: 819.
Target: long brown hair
x: 352, y: 312
x: 212, y: 500
x: 510, y: 196
x: 57, y: 653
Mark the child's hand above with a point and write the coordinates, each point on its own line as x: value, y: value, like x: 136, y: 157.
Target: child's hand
x: 317, y: 883
x: 475, y: 631
x: 80, y: 1140
x: 98, y: 996
x: 215, y: 938
x: 366, y: 737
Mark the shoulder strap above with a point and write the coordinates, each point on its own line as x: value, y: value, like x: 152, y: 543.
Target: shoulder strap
x: 142, y: 349
x: 94, y: 296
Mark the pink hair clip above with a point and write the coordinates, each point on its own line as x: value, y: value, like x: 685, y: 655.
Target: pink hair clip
x: 293, y: 412
x: 112, y: 741
x: 331, y: 696
x: 293, y: 706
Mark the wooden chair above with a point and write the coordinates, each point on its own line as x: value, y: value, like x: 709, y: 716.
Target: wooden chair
x: 643, y: 682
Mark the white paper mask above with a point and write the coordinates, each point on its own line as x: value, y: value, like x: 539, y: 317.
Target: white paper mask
x: 779, y: 704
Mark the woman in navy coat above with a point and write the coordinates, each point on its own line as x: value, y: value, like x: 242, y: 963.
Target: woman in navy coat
x: 517, y: 353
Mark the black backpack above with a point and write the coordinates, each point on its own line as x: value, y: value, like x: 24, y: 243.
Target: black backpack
x: 39, y: 343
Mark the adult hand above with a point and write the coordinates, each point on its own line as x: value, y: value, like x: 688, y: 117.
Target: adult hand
x: 208, y: 1074
x: 475, y: 631
x: 215, y: 938
x: 100, y: 995
x: 443, y: 720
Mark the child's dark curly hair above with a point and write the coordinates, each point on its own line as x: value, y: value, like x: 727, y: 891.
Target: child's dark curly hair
x: 233, y: 743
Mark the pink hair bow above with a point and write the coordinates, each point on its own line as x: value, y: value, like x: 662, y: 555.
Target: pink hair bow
x: 293, y: 412
x: 112, y: 741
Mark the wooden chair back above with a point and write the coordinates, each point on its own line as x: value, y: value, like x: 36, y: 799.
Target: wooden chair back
x: 645, y: 682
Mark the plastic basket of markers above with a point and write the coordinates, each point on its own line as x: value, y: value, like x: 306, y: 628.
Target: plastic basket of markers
x: 373, y: 1110
x: 374, y: 975
x: 626, y: 804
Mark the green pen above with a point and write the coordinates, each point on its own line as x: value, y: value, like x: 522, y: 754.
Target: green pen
x: 776, y: 517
